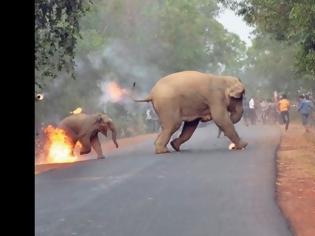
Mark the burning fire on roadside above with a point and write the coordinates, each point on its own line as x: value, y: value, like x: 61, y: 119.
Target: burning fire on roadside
x: 58, y: 146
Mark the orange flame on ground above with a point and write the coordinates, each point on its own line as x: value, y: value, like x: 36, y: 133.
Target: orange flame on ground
x: 76, y: 111
x: 115, y: 92
x: 58, y: 147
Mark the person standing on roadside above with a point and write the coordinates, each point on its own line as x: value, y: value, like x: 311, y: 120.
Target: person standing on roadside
x: 252, y: 111
x: 264, y: 106
x: 283, y: 108
x: 245, y: 110
x: 305, y: 108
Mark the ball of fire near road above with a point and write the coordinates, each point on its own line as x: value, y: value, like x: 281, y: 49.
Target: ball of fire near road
x: 231, y: 146
x: 57, y: 147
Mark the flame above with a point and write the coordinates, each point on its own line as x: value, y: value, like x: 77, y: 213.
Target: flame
x: 231, y: 146
x: 76, y: 111
x: 115, y: 92
x: 58, y: 147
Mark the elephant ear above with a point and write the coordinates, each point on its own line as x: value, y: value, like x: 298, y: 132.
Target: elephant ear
x: 236, y: 90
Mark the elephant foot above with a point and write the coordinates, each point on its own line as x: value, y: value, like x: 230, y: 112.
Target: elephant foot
x: 160, y: 150
x: 83, y: 152
x: 101, y: 157
x: 175, y: 145
x: 240, y: 145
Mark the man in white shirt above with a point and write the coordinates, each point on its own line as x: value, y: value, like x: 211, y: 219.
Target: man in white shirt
x: 148, y: 114
x: 252, y: 112
x: 251, y: 103
x: 152, y: 119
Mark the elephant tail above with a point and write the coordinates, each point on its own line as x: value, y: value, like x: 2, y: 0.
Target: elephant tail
x: 147, y: 99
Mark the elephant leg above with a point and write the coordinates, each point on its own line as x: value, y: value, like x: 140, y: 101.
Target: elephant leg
x: 169, y: 125
x: 157, y: 138
x: 71, y: 137
x: 222, y: 119
x: 163, y: 139
x: 187, y: 131
x: 219, y: 132
x: 86, y: 145
x: 96, y: 145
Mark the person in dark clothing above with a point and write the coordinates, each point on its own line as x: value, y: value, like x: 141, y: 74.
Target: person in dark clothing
x: 305, y: 108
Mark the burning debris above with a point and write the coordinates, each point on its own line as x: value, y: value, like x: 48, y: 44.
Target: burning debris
x: 58, y: 146
x: 115, y: 91
x: 231, y: 146
x: 76, y: 111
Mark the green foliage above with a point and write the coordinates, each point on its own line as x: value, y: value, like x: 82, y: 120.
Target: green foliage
x: 286, y: 20
x: 56, y: 33
x: 270, y: 67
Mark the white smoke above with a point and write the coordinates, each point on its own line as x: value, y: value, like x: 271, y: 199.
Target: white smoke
x: 129, y: 68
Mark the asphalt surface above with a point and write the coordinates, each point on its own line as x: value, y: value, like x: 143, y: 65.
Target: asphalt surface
x: 205, y: 190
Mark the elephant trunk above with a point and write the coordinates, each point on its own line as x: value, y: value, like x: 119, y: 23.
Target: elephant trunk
x: 236, y: 115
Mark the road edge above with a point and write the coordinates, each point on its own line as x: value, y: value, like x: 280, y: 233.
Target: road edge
x: 276, y: 193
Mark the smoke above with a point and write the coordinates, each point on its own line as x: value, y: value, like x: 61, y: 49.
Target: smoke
x: 128, y: 67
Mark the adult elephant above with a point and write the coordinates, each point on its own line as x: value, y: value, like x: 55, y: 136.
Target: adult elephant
x: 85, y: 128
x: 192, y: 96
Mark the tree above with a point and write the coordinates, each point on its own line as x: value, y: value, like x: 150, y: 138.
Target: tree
x: 286, y: 20
x: 56, y: 32
x: 269, y: 66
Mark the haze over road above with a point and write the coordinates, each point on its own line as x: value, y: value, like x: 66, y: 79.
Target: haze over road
x: 205, y: 190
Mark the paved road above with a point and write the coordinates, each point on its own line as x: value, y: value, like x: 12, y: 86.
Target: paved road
x: 206, y: 190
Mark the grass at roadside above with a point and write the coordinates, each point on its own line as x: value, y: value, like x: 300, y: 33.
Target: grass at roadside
x: 296, y: 179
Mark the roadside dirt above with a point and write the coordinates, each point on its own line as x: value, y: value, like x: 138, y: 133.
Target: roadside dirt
x: 296, y: 179
x: 107, y: 146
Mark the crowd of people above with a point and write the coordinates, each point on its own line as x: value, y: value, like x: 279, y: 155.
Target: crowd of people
x: 264, y: 111
x: 278, y: 109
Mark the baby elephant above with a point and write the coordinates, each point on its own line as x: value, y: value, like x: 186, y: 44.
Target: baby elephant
x: 85, y: 128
